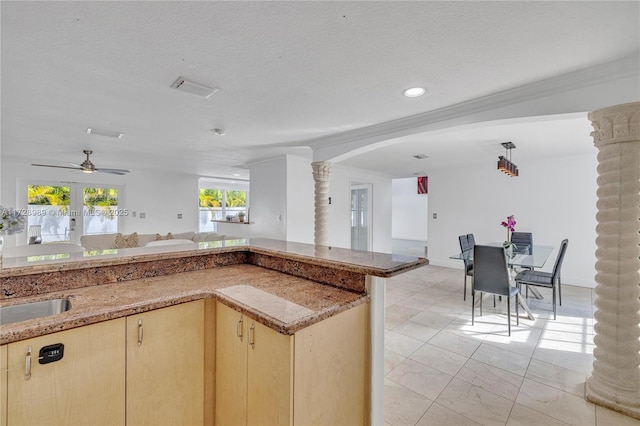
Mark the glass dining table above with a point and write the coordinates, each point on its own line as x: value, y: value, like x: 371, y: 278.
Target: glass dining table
x: 522, y: 257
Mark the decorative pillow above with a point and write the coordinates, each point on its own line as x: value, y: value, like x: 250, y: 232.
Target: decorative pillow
x: 126, y: 241
x: 160, y: 237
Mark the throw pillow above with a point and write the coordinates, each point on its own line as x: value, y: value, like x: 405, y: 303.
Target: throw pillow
x: 126, y: 241
x: 168, y: 237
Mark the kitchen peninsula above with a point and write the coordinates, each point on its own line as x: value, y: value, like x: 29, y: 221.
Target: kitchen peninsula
x: 257, y: 331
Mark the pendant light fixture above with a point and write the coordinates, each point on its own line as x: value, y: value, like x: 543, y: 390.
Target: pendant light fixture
x: 504, y: 161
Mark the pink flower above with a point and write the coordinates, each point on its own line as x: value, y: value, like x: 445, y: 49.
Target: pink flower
x: 510, y: 224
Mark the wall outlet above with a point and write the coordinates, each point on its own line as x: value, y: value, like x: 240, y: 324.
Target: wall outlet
x: 179, y: 215
x: 435, y: 215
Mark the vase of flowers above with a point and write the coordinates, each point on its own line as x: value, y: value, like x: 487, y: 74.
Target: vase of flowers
x: 510, y: 224
x: 11, y: 222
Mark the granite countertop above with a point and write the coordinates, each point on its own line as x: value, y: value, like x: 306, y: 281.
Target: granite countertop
x: 364, y: 262
x: 282, y: 302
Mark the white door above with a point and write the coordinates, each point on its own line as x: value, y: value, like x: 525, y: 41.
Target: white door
x: 64, y: 211
x: 361, y: 217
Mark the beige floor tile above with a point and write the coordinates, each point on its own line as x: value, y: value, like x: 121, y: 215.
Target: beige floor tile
x: 543, y: 364
x: 501, y: 358
x: 392, y: 360
x: 475, y: 403
x: 403, y: 406
x: 413, y: 329
x: 396, y: 315
x: 420, y: 378
x: 400, y: 343
x: 565, y: 355
x: 523, y: 416
x: 437, y: 415
x: 432, y: 319
x: 556, y: 403
x: 607, y: 417
x: 490, y: 378
x: 445, y: 361
x: 556, y: 376
x: 455, y: 343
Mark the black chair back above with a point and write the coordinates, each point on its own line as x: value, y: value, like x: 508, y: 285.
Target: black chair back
x: 490, y: 270
x: 471, y: 240
x: 465, y: 247
x: 523, y: 239
x: 555, y: 276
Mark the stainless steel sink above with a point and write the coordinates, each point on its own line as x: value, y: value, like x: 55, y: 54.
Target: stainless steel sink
x: 27, y: 311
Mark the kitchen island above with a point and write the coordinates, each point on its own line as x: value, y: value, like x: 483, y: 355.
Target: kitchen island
x: 287, y: 287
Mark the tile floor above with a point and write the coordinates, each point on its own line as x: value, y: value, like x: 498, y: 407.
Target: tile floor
x: 440, y: 370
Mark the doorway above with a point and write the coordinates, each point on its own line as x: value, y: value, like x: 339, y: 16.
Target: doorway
x: 361, y: 217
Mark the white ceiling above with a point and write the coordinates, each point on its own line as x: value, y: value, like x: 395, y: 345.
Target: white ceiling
x: 289, y: 73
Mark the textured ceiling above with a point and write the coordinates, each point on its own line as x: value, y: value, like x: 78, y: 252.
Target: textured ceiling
x: 288, y: 73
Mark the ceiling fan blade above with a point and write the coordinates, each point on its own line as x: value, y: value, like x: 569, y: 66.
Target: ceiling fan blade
x: 113, y: 171
x: 58, y: 167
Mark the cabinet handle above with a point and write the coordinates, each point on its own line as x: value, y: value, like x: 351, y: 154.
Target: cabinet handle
x: 27, y: 365
x: 239, y: 327
x: 252, y: 341
x: 140, y: 332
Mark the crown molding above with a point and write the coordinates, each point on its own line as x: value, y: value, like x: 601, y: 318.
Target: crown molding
x: 607, y: 72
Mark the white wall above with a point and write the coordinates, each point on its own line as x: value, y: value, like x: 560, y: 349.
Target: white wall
x: 554, y: 199
x: 268, y: 203
x: 300, y: 200
x: 160, y: 195
x: 409, y: 210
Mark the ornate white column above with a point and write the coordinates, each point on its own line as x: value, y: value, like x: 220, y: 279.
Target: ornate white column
x: 321, y: 175
x: 615, y: 379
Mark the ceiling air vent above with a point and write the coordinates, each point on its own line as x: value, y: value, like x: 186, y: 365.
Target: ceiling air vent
x: 197, y: 89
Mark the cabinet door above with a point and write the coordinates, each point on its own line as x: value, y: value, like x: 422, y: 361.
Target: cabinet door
x: 269, y: 377
x: 165, y: 366
x: 332, y: 370
x: 231, y: 366
x: 85, y: 387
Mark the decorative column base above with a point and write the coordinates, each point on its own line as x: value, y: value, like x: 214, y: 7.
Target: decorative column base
x: 615, y: 380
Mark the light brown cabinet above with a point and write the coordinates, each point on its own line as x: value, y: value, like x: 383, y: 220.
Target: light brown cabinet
x: 106, y: 378
x: 253, y: 371
x: 317, y: 376
x: 165, y: 366
x: 84, y: 387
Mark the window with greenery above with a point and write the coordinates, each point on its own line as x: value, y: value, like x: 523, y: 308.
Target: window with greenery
x: 222, y: 205
x: 61, y: 210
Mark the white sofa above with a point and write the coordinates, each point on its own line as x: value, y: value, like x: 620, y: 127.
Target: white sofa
x: 119, y: 240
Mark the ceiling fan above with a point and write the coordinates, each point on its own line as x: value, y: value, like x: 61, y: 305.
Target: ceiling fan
x: 87, y: 166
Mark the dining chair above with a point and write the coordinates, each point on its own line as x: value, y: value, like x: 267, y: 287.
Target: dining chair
x: 546, y: 279
x: 523, y: 239
x: 491, y: 275
x: 468, y: 263
x: 471, y: 240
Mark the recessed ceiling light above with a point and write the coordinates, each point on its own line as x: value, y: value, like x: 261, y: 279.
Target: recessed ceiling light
x: 194, y: 88
x: 219, y: 132
x: 421, y: 156
x: 414, y: 92
x: 107, y: 133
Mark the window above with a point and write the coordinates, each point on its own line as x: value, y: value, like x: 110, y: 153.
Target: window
x: 65, y: 211
x: 221, y: 204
